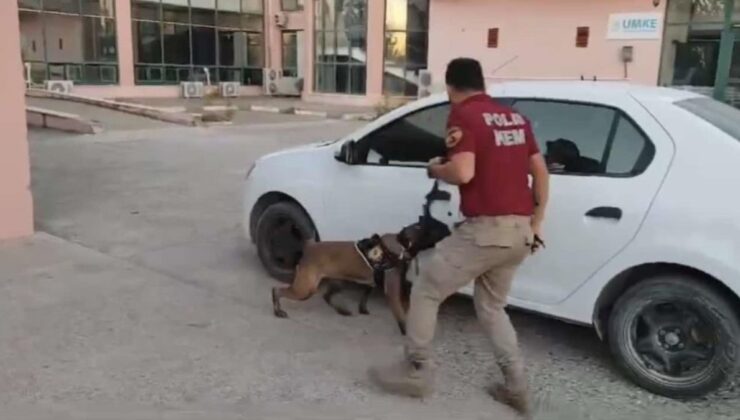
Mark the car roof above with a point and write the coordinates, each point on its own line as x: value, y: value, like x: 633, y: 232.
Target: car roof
x: 574, y: 89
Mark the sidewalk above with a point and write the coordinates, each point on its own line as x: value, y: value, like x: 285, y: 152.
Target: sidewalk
x: 91, y: 336
x: 109, y: 119
x: 263, y: 104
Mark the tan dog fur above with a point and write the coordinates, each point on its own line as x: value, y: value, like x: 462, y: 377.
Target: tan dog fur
x: 340, y: 261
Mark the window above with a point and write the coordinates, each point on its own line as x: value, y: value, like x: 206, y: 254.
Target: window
x: 493, y: 37
x: 691, y: 44
x: 291, y: 5
x: 29, y: 4
x: 69, y: 39
x: 720, y: 115
x: 184, y: 40
x: 582, y: 33
x: 406, y: 45
x: 603, y: 142
x: 340, y: 46
x: 290, y: 53
x: 628, y: 146
x: 411, y: 140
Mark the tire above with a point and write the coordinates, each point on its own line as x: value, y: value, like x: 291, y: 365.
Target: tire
x: 282, y: 230
x: 675, y: 336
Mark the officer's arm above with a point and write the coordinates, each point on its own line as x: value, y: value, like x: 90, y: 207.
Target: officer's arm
x: 459, y: 170
x: 460, y: 166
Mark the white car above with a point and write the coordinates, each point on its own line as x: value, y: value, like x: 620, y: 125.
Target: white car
x: 642, y: 229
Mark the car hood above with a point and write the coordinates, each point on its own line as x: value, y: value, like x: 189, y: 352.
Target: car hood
x: 320, y: 145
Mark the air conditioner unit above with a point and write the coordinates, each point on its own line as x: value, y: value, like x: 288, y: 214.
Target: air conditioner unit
x: 192, y: 89
x: 281, y: 20
x: 229, y: 89
x: 269, y: 79
x: 275, y: 84
x: 59, y: 86
x: 425, y: 83
x: 289, y: 86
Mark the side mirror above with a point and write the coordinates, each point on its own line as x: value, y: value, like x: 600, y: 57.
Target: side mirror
x: 346, y: 153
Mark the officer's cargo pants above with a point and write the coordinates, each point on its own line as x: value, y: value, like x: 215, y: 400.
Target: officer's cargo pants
x: 489, y: 250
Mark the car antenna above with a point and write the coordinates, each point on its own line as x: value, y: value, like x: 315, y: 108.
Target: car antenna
x: 506, y: 63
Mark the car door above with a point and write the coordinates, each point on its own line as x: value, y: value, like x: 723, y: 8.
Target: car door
x: 605, y: 171
x: 385, y: 188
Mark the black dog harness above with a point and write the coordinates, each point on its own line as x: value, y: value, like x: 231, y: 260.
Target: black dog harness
x: 380, y: 258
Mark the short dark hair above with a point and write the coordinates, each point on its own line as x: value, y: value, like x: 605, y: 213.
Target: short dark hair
x: 465, y: 74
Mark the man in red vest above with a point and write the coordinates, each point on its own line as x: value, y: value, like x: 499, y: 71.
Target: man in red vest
x: 491, y: 153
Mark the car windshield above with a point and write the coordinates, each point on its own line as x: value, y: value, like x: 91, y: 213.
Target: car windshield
x: 720, y: 115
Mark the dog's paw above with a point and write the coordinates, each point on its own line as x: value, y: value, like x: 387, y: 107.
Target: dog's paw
x: 364, y: 311
x: 281, y: 313
x: 343, y: 311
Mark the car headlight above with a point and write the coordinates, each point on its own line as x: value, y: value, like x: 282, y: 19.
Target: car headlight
x: 249, y: 171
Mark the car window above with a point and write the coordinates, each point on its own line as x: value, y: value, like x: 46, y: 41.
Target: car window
x: 586, y: 139
x: 631, y: 152
x: 410, y: 140
x: 573, y: 137
x: 720, y: 115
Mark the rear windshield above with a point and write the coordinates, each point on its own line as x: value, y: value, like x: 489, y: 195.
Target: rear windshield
x: 719, y: 114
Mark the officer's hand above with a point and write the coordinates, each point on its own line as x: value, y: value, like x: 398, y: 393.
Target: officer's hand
x: 433, y: 164
x: 537, y: 242
x: 432, y: 171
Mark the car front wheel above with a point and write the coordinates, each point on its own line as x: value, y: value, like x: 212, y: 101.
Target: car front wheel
x: 282, y: 230
x: 675, y: 336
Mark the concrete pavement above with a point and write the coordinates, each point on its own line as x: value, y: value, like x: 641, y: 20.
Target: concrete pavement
x: 86, y: 332
x: 147, y: 302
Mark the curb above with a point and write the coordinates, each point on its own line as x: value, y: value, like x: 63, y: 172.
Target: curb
x: 46, y: 118
x: 356, y: 116
x: 311, y: 113
x: 359, y: 117
x: 173, y: 109
x: 216, y: 108
x: 130, y: 108
x: 271, y: 109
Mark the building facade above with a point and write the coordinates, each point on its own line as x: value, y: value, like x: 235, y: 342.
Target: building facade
x: 346, y: 51
x: 360, y: 51
x: 16, y: 208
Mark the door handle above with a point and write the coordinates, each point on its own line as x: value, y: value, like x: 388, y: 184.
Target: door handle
x: 605, y: 213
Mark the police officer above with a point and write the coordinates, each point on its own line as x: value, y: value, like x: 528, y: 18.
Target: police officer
x: 491, y: 152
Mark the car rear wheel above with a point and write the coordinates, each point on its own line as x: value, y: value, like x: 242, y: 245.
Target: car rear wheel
x: 675, y: 336
x: 282, y: 230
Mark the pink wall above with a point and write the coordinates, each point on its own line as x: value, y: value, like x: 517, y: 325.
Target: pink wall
x: 273, y: 33
x: 125, y: 44
x: 16, y: 210
x: 541, y: 33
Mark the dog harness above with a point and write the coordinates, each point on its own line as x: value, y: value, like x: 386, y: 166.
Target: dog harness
x: 429, y: 231
x: 379, y: 258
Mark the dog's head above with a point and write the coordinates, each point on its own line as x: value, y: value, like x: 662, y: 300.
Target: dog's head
x: 561, y: 151
x: 422, y: 235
